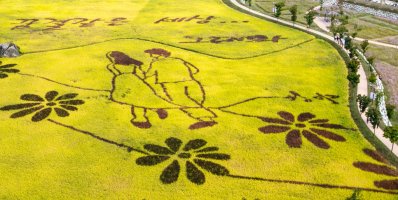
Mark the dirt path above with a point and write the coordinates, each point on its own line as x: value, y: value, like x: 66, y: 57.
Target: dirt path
x: 362, y: 86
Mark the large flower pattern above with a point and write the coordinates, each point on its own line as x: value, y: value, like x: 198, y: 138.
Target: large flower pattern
x: 383, y: 168
x: 6, y: 69
x: 42, y: 107
x: 305, y: 125
x: 194, y: 154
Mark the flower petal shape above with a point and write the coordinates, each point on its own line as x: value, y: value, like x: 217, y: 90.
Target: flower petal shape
x: 275, y: 121
x: 151, y: 160
x: 216, y: 156
x: 378, y: 169
x: 303, y: 117
x: 7, y: 66
x: 61, y: 112
x: 293, y: 139
x: 211, y: 167
x: 72, y: 102
x: 170, y: 173
x: 314, y: 139
x: 202, y: 124
x: 26, y: 112
x: 173, y: 143
x: 274, y: 129
x: 158, y: 149
x: 41, y: 114
x: 194, y: 144
x: 207, y: 149
x: 9, y: 70
x: 66, y: 96
x: 286, y: 115
x: 3, y: 75
x: 70, y: 108
x: 317, y: 121
x: 31, y: 97
x: 387, y: 184
x: 328, y: 134
x: 194, y: 174
x: 375, y: 155
x: 51, y: 95
x: 19, y: 106
x: 331, y: 126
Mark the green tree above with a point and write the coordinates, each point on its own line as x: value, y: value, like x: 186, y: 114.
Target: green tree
x: 373, y: 116
x: 348, y: 43
x: 379, y: 95
x: 340, y: 5
x: 371, y: 60
x: 340, y: 29
x: 391, y: 133
x: 309, y: 17
x: 356, y: 195
x: 293, y: 12
x: 390, y: 111
x: 364, y: 102
x: 333, y: 23
x: 321, y: 2
x: 343, y: 19
x: 354, y: 34
x: 353, y: 78
x: 278, y: 9
x: 352, y: 51
x: 372, y: 78
x: 364, y: 45
x: 353, y: 65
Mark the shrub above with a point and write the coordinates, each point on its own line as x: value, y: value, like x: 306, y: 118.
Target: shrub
x: 372, y: 78
x: 353, y: 65
x: 353, y: 78
x: 390, y: 111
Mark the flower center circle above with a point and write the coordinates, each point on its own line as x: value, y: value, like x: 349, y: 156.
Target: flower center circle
x: 300, y: 125
x: 184, y: 155
x: 51, y: 104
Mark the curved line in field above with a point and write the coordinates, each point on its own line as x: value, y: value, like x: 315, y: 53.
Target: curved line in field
x: 174, y: 46
x: 321, y: 185
x: 88, y: 133
x: 64, y: 84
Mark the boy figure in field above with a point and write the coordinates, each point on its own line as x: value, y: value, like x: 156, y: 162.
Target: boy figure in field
x: 174, y: 79
x: 129, y: 87
x: 167, y: 82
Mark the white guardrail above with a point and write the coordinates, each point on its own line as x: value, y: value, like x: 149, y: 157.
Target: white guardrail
x: 379, y: 88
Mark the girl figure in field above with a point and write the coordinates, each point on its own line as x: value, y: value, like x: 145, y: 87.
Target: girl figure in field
x: 174, y: 79
x: 167, y: 83
x: 128, y: 88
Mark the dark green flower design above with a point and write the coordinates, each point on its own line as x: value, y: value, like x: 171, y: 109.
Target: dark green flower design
x: 5, y: 69
x: 42, y: 107
x: 383, y: 168
x: 305, y: 124
x: 194, y: 154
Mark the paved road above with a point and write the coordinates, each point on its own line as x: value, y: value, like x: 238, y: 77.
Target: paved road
x: 362, y: 86
x: 363, y: 90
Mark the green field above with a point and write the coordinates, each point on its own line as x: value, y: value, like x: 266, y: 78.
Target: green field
x: 174, y: 100
x: 371, y: 27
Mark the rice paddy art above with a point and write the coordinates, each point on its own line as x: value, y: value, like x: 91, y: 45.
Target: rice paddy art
x: 154, y: 100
